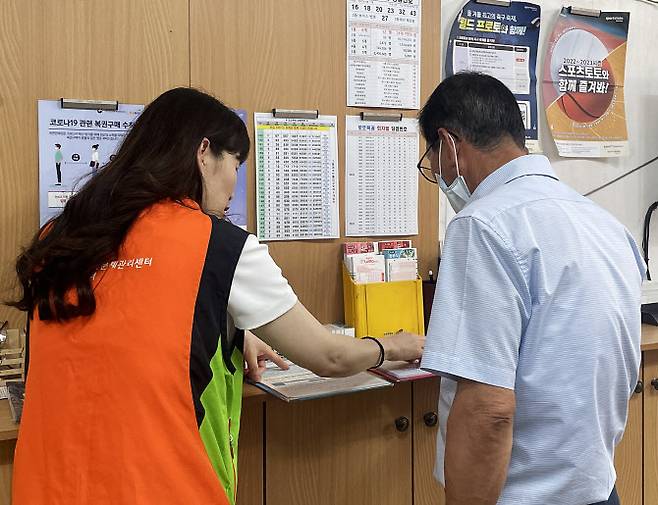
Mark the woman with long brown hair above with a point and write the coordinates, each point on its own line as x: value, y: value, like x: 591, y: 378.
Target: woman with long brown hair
x: 138, y: 296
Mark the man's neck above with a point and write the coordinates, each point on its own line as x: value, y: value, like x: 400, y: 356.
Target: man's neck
x: 487, y: 162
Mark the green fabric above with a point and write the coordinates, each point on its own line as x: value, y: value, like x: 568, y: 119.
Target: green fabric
x: 222, y: 401
x: 58, y: 156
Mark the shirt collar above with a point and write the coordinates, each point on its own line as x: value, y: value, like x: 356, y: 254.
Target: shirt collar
x: 530, y: 164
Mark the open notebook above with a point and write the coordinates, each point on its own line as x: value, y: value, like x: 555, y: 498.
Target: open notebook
x: 400, y: 371
x: 297, y: 383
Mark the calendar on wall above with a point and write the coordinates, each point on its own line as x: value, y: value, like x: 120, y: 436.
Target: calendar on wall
x: 381, y: 179
x: 383, y: 53
x: 296, y: 178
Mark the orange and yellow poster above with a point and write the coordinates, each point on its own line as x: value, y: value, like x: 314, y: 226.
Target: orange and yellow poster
x: 583, y: 86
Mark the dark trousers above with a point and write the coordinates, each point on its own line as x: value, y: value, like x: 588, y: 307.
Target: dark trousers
x: 613, y: 500
x: 58, y: 167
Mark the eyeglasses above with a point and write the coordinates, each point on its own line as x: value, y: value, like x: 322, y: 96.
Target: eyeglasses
x: 427, y: 172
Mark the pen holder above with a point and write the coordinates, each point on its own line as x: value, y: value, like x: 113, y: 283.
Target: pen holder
x: 381, y: 308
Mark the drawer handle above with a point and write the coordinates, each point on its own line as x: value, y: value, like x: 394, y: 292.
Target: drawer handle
x: 639, y: 388
x: 402, y: 424
x: 654, y: 383
x: 430, y: 418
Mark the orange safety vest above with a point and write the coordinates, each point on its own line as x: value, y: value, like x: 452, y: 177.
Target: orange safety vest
x: 140, y: 402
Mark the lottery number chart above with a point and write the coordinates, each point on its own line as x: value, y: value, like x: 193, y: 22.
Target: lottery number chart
x: 296, y: 178
x: 381, y: 179
x: 383, y: 53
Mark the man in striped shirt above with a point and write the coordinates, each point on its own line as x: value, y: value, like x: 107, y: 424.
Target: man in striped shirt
x: 535, y: 327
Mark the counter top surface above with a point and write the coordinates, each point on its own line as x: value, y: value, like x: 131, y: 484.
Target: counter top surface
x: 9, y: 430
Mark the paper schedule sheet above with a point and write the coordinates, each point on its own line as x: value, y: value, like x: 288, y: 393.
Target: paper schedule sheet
x: 381, y: 179
x: 296, y: 178
x: 383, y: 53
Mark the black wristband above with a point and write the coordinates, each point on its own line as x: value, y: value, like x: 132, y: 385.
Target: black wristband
x: 381, y: 351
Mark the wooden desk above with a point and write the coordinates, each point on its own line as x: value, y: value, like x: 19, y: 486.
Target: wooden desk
x: 9, y: 430
x: 252, y: 392
x: 294, y: 440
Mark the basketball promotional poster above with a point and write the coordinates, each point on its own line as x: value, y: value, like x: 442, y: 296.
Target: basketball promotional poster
x: 583, y: 86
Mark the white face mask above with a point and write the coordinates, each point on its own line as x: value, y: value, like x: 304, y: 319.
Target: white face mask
x: 457, y: 193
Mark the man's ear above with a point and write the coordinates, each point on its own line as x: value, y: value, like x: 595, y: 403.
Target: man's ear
x: 445, y: 136
x: 449, y: 144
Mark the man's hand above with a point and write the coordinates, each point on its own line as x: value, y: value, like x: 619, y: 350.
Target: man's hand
x: 256, y: 355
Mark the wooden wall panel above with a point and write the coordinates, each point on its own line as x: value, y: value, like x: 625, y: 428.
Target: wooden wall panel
x: 6, y: 466
x: 427, y: 491
x: 650, y: 421
x: 251, y: 486
x: 126, y: 50
x: 340, y: 450
x: 629, y: 454
x: 291, y: 54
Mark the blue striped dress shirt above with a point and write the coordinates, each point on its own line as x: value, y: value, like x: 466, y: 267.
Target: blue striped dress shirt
x: 539, y: 292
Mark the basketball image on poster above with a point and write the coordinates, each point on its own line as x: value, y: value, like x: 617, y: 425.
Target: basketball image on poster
x: 583, y: 85
x: 581, y: 105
